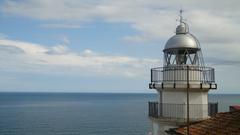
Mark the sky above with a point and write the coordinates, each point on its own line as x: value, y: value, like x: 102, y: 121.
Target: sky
x: 109, y: 45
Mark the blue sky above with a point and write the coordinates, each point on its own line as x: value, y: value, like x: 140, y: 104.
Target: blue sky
x: 108, y: 45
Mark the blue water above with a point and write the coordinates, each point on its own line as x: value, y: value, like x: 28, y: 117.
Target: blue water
x: 81, y: 113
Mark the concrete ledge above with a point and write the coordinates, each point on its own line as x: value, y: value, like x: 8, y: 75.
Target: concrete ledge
x: 161, y: 86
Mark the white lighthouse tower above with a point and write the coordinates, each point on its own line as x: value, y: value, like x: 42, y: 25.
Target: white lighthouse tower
x: 182, y: 83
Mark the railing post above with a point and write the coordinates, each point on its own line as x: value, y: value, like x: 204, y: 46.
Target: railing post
x: 156, y: 107
x: 187, y: 100
x: 213, y: 75
x: 160, y: 104
x: 174, y: 72
x: 151, y: 75
x: 149, y: 111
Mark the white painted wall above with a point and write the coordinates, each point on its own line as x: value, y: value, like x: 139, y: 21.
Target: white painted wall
x: 175, y: 104
x: 180, y: 97
x: 194, y: 75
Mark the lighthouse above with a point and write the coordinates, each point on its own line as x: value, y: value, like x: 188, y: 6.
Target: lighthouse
x: 182, y: 83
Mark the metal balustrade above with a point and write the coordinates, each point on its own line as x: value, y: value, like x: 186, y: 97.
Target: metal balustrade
x: 178, y: 73
x: 179, y: 111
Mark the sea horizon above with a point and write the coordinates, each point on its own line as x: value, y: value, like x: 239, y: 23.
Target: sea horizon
x: 96, y: 92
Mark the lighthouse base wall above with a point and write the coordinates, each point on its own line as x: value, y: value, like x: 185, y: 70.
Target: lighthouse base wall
x: 179, y: 97
x: 173, y: 104
x: 160, y: 127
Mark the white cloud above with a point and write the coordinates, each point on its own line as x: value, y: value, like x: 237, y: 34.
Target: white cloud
x: 48, y: 10
x: 60, y: 59
x: 59, y: 49
x: 28, y: 48
x: 211, y: 28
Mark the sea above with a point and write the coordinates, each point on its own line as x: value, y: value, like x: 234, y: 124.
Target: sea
x: 83, y: 113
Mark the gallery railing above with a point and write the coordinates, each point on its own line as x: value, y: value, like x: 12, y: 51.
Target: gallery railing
x: 179, y: 74
x: 179, y: 111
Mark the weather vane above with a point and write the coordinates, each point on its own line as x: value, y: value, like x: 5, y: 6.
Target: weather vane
x: 181, y: 17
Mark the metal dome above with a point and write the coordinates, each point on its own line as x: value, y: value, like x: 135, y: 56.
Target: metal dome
x: 178, y: 41
x: 183, y: 39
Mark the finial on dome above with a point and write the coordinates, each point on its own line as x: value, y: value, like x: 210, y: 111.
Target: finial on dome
x: 182, y: 28
x: 181, y: 17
